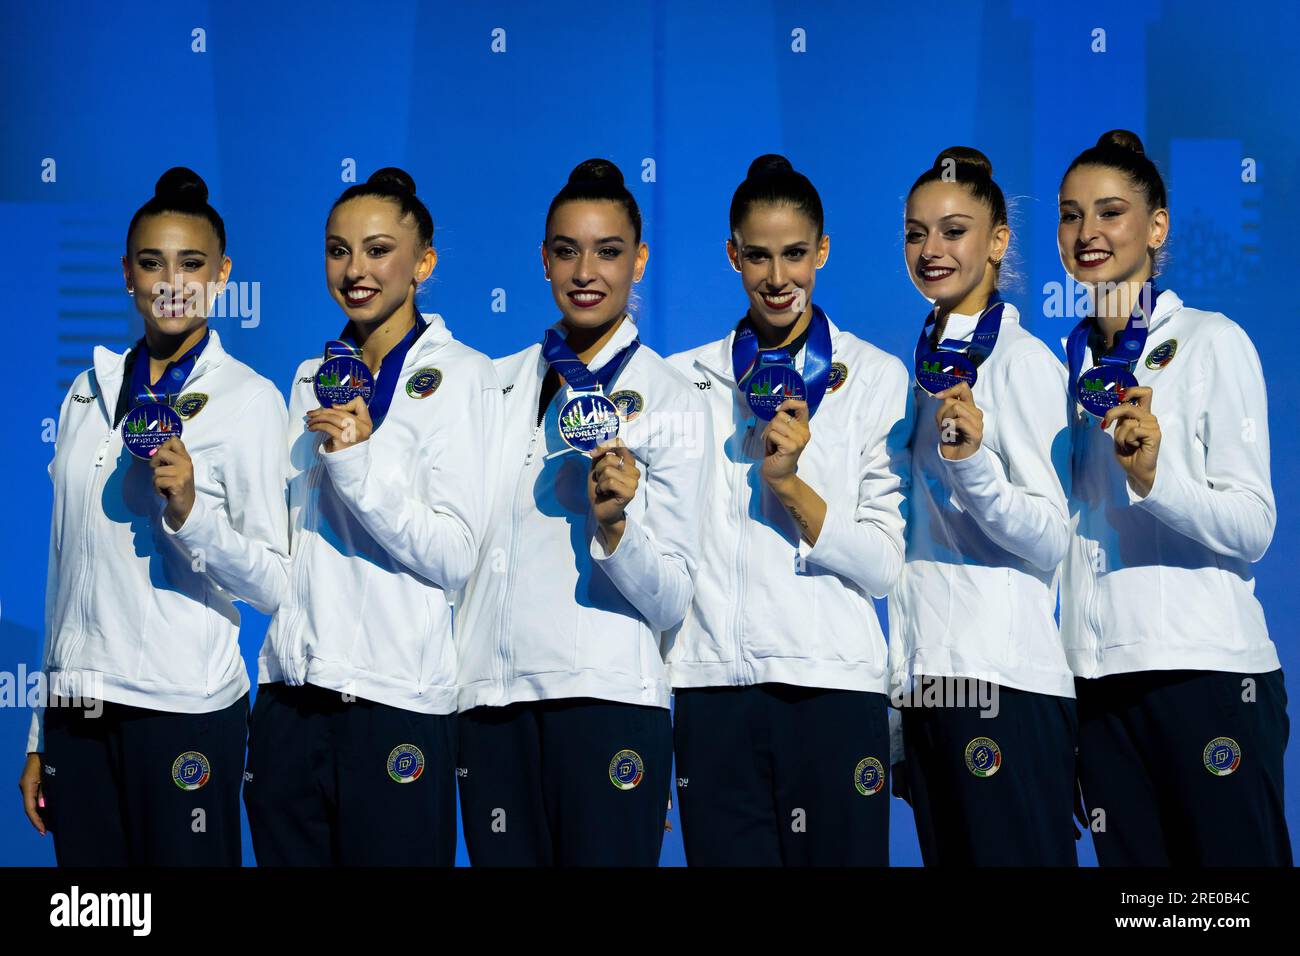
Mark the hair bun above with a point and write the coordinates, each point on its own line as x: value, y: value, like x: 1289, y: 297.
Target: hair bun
x: 596, y: 171
x: 769, y: 164
x: 1121, y: 139
x: 394, y: 178
x: 965, y: 156
x: 181, y: 185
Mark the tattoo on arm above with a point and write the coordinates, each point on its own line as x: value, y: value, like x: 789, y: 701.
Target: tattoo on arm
x: 803, y: 523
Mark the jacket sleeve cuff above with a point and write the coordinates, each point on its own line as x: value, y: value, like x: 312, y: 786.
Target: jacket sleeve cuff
x: 347, y: 465
x: 196, y: 528
x: 974, y: 471
x: 896, y: 754
x: 1162, y: 499
x: 845, y: 549
x: 635, y: 569
x: 625, y: 563
x: 36, y: 734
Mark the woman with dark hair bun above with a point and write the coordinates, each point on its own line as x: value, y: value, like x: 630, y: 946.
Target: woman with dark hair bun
x: 1182, y: 707
x: 984, y: 691
x: 168, y: 507
x: 352, y: 743
x: 566, y: 743
x: 779, y: 671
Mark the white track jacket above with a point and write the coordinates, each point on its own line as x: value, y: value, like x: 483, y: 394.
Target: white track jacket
x: 547, y: 614
x: 385, y: 531
x: 139, y: 614
x: 768, y: 606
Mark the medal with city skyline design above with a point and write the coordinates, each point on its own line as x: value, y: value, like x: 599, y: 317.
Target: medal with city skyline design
x: 342, y: 376
x: 1106, y: 384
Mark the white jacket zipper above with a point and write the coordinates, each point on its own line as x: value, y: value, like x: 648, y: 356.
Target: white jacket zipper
x: 503, y: 645
x: 741, y: 539
x: 87, y: 550
x: 298, y: 651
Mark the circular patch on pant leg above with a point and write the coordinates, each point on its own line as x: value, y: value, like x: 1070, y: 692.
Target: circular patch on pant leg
x: 626, y: 769
x: 191, y: 770
x: 983, y: 757
x: 1222, y: 756
x: 869, y: 776
x: 405, y: 763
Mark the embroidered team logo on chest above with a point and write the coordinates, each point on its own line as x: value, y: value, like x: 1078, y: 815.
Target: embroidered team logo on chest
x: 190, y: 404
x: 423, y: 382
x: 630, y: 404
x: 838, y: 376
x: 1162, y: 354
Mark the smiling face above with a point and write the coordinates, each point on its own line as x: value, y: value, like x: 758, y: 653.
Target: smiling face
x: 374, y: 259
x: 1107, y: 232
x: 592, y: 258
x: 950, y: 245
x: 174, y: 270
x: 777, y: 252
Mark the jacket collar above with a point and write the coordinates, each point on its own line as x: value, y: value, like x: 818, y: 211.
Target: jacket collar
x: 109, y: 367
x: 435, y: 336
x: 716, y: 358
x: 1167, y: 304
x: 624, y: 335
x: 962, y: 326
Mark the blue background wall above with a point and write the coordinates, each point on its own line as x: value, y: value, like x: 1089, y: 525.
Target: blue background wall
x: 284, y: 93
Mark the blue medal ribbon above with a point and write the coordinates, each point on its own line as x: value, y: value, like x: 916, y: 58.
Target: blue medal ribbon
x: 1115, y: 367
x: 960, y: 357
x: 574, y: 371
x: 381, y: 386
x: 390, y: 369
x: 169, y: 386
x: 588, y: 419
x: 750, y: 363
x: 152, y: 420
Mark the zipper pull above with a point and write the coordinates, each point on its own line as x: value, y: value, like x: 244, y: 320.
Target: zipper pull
x: 532, y: 444
x: 99, y: 458
x: 800, y: 565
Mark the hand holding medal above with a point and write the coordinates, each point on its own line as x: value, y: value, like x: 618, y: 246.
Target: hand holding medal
x: 173, y: 478
x: 611, y: 485
x: 1137, y: 438
x: 343, y: 386
x: 960, y: 423
x: 784, y: 439
x: 342, y: 425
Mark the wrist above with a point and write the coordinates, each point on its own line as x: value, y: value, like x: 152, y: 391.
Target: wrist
x: 957, y: 452
x: 1141, y: 485
x: 784, y: 487
x: 613, y: 527
x: 176, y: 516
x: 610, y: 534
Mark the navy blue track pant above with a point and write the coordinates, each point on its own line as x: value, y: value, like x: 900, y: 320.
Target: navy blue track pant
x: 777, y: 775
x: 574, y: 782
x: 130, y: 786
x: 1184, y: 768
x: 991, y: 782
x: 338, y: 782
